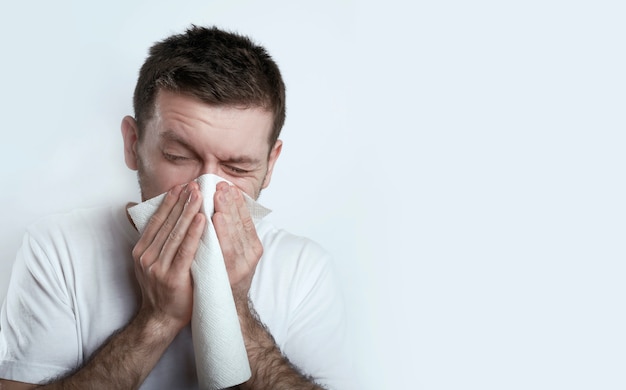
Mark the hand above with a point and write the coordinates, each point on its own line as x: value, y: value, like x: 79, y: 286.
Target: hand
x: 164, y: 253
x: 241, y: 246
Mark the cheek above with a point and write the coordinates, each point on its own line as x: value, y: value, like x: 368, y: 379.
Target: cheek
x: 246, y: 185
x: 170, y: 176
x: 159, y: 177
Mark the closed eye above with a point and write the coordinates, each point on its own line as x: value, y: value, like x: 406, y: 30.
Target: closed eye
x: 174, y: 157
x: 236, y: 170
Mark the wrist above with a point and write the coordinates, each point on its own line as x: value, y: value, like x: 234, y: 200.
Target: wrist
x: 243, y: 304
x: 157, y: 327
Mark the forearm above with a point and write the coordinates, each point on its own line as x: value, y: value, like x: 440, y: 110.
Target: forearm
x: 270, y: 368
x: 125, y: 360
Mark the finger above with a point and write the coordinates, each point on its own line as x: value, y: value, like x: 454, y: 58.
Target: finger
x: 186, y: 252
x: 178, y: 234
x: 252, y: 247
x: 231, y: 248
x: 170, y: 221
x: 226, y: 202
x: 220, y: 197
x: 234, y: 227
x: 226, y: 220
x: 243, y: 211
x: 242, y: 229
x: 151, y: 254
x: 240, y: 246
x: 156, y: 221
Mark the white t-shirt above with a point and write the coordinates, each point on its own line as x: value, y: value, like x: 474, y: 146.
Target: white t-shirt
x: 73, y: 285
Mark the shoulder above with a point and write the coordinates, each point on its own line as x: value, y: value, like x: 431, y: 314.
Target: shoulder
x: 274, y: 239
x: 71, y: 219
x: 60, y: 240
x: 292, y: 266
x: 78, y: 223
x: 287, y: 250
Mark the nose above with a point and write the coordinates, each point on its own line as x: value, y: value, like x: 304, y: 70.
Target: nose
x: 212, y: 167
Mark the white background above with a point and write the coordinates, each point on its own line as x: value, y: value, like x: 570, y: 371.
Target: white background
x: 463, y: 161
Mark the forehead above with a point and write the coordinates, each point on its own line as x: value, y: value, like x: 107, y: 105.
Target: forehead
x: 188, y: 119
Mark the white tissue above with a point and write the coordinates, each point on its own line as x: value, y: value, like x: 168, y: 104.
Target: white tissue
x: 221, y: 358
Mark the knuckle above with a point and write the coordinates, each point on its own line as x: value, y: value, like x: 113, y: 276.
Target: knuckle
x: 155, y: 221
x: 137, y: 252
x: 143, y: 262
x: 183, y: 252
x: 156, y: 270
x: 146, y: 260
x: 239, y: 226
x: 174, y: 235
x: 248, y: 223
x: 257, y: 249
x: 167, y: 224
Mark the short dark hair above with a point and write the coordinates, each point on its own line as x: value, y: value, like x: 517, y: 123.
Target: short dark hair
x: 218, y: 67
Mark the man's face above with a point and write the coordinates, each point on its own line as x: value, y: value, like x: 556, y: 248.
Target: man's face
x: 187, y: 138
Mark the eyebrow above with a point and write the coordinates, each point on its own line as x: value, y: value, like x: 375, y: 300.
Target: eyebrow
x: 170, y: 135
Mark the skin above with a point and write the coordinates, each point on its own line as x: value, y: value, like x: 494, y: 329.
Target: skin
x: 185, y: 139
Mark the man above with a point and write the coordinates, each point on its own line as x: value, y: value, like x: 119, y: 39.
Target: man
x: 94, y: 304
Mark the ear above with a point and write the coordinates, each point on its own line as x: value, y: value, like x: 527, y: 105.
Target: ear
x: 131, y: 137
x: 274, y: 153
